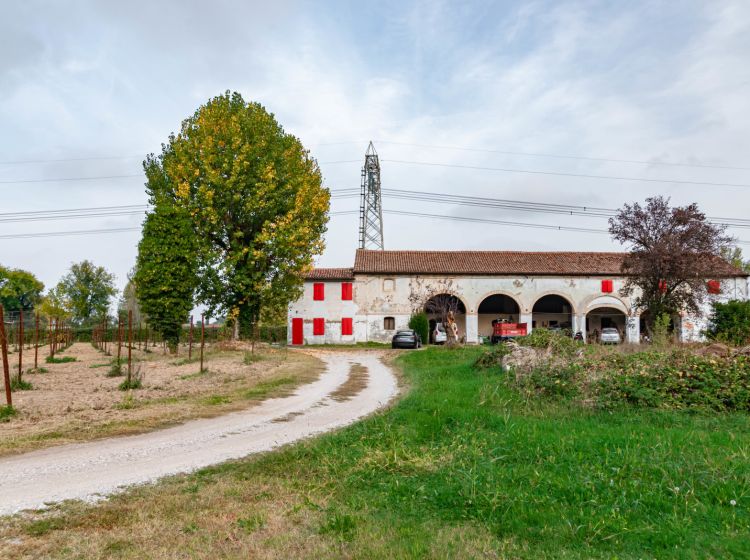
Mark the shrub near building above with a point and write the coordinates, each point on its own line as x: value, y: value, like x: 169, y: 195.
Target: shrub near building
x: 730, y: 322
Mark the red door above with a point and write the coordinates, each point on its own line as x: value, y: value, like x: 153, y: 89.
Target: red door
x: 297, y: 333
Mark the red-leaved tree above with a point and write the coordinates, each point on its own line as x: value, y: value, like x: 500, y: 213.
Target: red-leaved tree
x: 672, y: 252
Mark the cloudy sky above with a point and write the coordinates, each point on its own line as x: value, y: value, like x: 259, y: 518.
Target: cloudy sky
x: 654, y: 96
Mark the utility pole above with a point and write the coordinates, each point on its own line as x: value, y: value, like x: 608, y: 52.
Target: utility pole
x: 371, y: 203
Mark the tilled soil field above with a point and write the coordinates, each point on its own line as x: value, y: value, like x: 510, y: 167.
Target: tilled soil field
x: 80, y: 400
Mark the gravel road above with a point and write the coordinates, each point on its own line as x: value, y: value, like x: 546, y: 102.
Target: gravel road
x: 89, y: 471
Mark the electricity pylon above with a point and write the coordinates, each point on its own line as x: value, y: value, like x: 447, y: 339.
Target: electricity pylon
x: 371, y: 203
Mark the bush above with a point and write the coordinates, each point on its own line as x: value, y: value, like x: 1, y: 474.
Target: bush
x: 730, y: 322
x: 674, y: 379
x: 677, y: 379
x: 421, y: 324
x: 559, y: 343
x: 492, y: 358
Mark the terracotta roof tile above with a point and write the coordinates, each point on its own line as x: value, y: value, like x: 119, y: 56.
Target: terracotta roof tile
x: 499, y: 263
x: 330, y: 274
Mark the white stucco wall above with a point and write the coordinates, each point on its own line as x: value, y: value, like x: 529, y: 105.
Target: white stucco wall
x: 379, y: 296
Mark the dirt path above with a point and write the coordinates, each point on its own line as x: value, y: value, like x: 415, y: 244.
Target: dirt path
x: 87, y: 471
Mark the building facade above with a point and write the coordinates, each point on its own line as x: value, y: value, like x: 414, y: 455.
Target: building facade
x: 568, y: 290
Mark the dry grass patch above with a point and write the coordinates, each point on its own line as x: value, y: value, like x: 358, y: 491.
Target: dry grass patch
x: 77, y: 402
x: 193, y: 516
x: 357, y: 381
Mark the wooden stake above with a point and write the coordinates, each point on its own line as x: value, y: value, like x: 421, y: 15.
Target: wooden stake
x: 6, y: 368
x: 119, y: 339
x: 190, y: 339
x: 20, y: 345
x: 36, y: 342
x: 130, y: 344
x: 203, y: 338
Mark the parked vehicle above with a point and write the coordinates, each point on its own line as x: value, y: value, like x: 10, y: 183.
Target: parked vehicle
x: 439, y: 336
x: 502, y: 330
x: 406, y: 339
x: 610, y: 335
x: 578, y: 336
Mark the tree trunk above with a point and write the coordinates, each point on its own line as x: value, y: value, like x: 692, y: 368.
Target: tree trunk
x: 247, y: 318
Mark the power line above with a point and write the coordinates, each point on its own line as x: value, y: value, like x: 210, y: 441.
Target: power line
x: 341, y: 213
x: 560, y: 156
x: 62, y: 179
x: 130, y: 176
x: 337, y: 194
x: 562, y: 174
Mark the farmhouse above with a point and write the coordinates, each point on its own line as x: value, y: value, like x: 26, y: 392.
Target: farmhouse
x: 573, y: 290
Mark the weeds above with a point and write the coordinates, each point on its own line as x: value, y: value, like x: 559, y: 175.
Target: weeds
x: 128, y: 384
x: 6, y: 413
x: 17, y: 384
x: 251, y: 358
x: 252, y: 523
x: 116, y: 368
x: 62, y: 360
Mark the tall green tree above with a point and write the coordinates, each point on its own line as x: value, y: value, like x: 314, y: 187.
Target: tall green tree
x: 256, y: 202
x: 165, y: 275
x: 19, y: 289
x: 54, y: 305
x: 733, y: 255
x: 86, y: 291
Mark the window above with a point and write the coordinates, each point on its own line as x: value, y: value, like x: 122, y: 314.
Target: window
x: 346, y: 326
x: 346, y: 291
x: 318, y: 291
x: 319, y: 327
x: 714, y: 286
x: 389, y: 284
x: 607, y: 286
x: 389, y: 323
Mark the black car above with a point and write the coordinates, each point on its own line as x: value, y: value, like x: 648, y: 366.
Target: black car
x: 406, y: 339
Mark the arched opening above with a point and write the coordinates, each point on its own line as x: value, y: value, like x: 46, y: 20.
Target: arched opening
x: 437, y: 309
x: 496, y: 307
x: 604, y: 318
x: 552, y: 312
x: 646, y: 324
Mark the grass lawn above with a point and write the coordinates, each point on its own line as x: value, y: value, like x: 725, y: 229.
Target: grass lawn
x: 461, y: 467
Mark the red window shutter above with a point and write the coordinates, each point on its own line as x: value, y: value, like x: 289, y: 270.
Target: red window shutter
x: 714, y: 287
x: 318, y: 291
x: 663, y: 286
x: 319, y: 327
x: 346, y: 326
x: 346, y: 291
x: 607, y: 286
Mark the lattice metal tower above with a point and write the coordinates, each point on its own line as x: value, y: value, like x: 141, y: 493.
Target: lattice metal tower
x: 371, y: 203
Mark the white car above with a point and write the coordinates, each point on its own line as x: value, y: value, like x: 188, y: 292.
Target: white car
x: 610, y: 335
x: 439, y: 336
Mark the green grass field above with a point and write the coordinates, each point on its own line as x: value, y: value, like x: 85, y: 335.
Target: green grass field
x: 461, y: 467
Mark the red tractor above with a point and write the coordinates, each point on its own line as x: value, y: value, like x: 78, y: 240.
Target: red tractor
x: 503, y: 330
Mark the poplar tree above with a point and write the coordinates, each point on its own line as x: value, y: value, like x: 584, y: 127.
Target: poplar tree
x: 256, y: 203
x: 165, y: 276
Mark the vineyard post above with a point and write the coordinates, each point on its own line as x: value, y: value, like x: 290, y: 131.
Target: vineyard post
x: 190, y: 339
x: 49, y: 335
x: 20, y: 345
x: 36, y: 341
x: 119, y: 338
x: 203, y: 338
x: 6, y: 368
x: 130, y: 343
